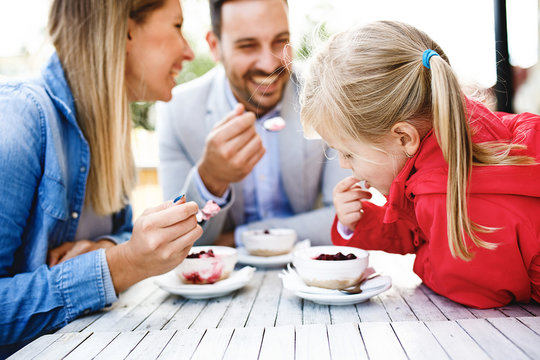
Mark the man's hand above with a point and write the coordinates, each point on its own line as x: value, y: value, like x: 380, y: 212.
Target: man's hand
x: 348, y: 198
x: 232, y: 149
x: 69, y: 250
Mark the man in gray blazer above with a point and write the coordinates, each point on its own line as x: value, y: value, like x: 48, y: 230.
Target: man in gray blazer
x: 213, y: 146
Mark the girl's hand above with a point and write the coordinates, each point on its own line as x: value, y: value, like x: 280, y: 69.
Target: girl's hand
x: 69, y: 250
x: 347, y: 201
x: 161, y: 239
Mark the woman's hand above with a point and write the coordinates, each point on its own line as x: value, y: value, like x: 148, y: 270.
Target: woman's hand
x: 69, y: 250
x: 161, y: 239
x: 348, y: 196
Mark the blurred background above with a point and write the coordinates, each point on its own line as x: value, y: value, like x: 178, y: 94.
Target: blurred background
x: 465, y: 29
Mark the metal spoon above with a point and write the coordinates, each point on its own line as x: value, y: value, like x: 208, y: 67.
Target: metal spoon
x: 355, y: 289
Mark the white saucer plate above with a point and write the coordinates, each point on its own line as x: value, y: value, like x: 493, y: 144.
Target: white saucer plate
x: 171, y: 282
x: 269, y: 261
x: 370, y: 288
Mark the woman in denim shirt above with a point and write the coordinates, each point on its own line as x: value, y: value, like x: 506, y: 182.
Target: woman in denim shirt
x: 67, y: 245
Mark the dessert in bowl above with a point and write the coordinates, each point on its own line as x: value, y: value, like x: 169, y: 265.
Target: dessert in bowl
x: 269, y: 242
x: 207, y: 264
x: 331, y: 267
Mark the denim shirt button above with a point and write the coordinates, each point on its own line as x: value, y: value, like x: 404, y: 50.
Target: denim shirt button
x: 82, y: 169
x: 74, y: 214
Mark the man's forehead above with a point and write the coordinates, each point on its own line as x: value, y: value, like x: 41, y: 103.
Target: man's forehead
x: 254, y: 17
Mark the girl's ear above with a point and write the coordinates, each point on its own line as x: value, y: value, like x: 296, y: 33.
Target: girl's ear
x: 406, y: 138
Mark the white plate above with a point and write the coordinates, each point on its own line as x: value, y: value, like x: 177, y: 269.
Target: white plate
x: 269, y: 261
x: 171, y: 282
x: 370, y: 288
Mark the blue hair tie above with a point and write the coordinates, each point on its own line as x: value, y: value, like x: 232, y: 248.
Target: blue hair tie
x: 427, y: 55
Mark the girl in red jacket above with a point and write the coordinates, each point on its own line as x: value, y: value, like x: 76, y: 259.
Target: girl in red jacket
x: 462, y: 183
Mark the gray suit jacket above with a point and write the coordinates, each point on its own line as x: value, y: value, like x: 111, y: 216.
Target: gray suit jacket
x: 308, y: 176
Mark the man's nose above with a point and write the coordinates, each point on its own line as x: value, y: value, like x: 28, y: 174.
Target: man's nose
x: 268, y: 61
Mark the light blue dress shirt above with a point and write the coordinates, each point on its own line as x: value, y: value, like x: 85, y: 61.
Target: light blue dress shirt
x: 263, y: 191
x: 44, y: 163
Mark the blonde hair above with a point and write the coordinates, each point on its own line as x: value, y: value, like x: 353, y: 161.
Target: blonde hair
x: 90, y: 40
x: 365, y: 80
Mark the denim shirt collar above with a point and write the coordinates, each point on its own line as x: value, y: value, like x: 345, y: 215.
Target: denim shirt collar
x: 56, y: 85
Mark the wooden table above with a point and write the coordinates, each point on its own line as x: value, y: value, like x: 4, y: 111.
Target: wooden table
x: 264, y: 321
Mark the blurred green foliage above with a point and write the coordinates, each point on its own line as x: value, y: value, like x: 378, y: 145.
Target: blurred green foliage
x: 191, y: 70
x: 311, y: 41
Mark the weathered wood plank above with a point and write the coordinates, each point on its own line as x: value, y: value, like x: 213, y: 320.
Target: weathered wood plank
x: 92, y: 346
x: 533, y: 307
x: 242, y: 303
x: 245, y: 344
x: 345, y: 342
x: 133, y: 318
x: 486, y: 313
x: 121, y: 346
x: 213, y: 344
x: 514, y: 310
x: 312, y: 342
x: 343, y: 314
x: 381, y: 341
x: 127, y: 300
x: 278, y: 343
x: 186, y: 315
x: 418, y: 342
x: 35, y: 347
x: 289, y: 310
x: 264, y: 310
x: 521, y: 335
x: 396, y: 307
x: 450, y: 309
x: 315, y: 313
x: 63, y: 345
x: 182, y: 345
x: 151, y: 345
x: 496, y: 345
x: 532, y: 322
x: 372, y: 310
x: 163, y: 314
x: 117, y: 318
x: 422, y: 307
x: 213, y: 313
x: 455, y: 341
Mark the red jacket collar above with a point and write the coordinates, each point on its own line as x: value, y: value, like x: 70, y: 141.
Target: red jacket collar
x: 427, y: 171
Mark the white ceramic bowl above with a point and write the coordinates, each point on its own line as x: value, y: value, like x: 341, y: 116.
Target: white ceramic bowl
x: 269, y: 242
x: 207, y: 270
x: 330, y: 274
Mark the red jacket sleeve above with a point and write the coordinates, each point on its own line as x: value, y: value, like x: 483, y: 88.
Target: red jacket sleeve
x: 372, y: 234
x: 493, y: 277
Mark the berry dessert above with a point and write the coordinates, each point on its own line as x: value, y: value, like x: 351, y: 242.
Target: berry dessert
x: 201, y: 255
x: 336, y: 257
x: 209, y: 210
